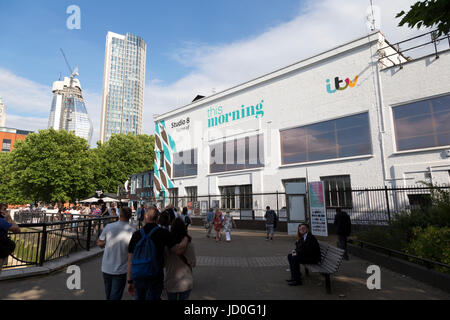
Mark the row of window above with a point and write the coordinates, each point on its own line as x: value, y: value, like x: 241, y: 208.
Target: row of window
x: 337, y: 191
x: 418, y: 125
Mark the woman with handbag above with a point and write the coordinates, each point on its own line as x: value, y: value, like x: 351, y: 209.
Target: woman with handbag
x: 7, y: 246
x: 218, y: 224
x: 179, y: 279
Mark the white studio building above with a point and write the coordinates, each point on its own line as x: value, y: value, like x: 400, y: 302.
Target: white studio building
x: 359, y: 115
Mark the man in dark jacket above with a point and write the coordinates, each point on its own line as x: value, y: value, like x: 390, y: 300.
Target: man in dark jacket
x: 271, y: 221
x: 343, y: 226
x: 307, y: 251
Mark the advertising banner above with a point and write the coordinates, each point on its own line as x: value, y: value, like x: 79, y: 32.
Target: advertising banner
x: 317, y: 209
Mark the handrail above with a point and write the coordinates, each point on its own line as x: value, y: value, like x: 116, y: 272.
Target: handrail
x: 427, y: 262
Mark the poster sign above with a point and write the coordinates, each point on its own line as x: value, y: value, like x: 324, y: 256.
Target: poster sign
x: 317, y: 208
x: 204, y: 207
x: 196, y: 206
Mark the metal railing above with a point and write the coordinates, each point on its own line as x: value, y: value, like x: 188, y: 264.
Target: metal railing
x: 366, y: 206
x: 420, y: 46
x: 430, y: 264
x: 41, y: 242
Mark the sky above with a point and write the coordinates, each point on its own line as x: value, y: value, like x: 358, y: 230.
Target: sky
x: 193, y: 47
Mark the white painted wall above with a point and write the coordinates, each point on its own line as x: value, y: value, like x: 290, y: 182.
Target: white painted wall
x: 296, y: 96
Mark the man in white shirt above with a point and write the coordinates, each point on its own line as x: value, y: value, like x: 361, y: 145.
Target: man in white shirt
x: 115, y: 239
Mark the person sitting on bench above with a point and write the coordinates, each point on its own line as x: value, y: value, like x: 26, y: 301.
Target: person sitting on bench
x: 307, y: 251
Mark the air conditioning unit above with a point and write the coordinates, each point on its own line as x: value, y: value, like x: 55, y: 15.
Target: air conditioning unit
x: 447, y: 153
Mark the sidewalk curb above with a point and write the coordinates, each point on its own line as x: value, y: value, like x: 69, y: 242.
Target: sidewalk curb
x: 49, y: 267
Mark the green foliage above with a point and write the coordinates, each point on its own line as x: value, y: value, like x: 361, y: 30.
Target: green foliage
x: 121, y: 156
x: 431, y: 243
x: 57, y: 166
x: 428, y: 13
x: 407, y: 230
x: 52, y: 166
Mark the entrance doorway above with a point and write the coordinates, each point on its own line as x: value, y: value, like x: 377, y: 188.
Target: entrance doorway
x: 296, y: 203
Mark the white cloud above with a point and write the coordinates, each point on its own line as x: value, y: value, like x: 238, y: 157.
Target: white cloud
x: 321, y: 25
x: 23, y: 96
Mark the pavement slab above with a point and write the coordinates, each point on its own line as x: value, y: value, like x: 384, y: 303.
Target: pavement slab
x: 249, y: 267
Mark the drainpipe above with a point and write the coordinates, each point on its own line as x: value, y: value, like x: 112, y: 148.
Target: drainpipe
x: 381, y: 127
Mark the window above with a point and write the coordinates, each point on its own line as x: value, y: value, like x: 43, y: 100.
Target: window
x: 228, y: 197
x: 237, y: 154
x: 6, y: 145
x: 422, y: 124
x: 245, y: 197
x: 191, y: 193
x: 185, y: 163
x: 173, y: 196
x: 337, y: 191
x: 340, y: 138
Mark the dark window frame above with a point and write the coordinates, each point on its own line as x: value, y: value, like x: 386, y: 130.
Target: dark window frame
x: 338, y: 196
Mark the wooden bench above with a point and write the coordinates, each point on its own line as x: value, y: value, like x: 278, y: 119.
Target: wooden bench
x: 329, y: 264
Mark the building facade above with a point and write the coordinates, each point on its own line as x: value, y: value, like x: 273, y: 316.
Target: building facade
x: 123, y: 85
x: 68, y: 111
x: 141, y: 189
x: 2, y: 113
x: 8, y: 136
x: 349, y: 117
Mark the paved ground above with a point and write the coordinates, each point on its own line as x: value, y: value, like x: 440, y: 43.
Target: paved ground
x: 247, y: 268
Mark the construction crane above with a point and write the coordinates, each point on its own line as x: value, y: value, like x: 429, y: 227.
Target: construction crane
x: 73, y: 73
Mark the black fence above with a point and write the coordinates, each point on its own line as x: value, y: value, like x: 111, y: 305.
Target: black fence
x: 45, y: 241
x: 366, y: 206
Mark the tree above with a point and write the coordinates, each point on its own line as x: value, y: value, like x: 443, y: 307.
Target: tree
x: 121, y: 156
x: 52, y: 166
x: 428, y: 13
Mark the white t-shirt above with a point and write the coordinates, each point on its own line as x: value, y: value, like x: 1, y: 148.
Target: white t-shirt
x: 117, y: 236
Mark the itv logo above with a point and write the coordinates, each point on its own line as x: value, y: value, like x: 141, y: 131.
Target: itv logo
x: 337, y: 84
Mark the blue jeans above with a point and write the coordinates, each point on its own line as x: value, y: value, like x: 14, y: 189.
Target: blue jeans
x: 178, y: 295
x: 114, y: 285
x: 148, y: 289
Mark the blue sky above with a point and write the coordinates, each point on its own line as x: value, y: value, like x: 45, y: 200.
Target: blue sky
x: 194, y: 47
x: 35, y: 30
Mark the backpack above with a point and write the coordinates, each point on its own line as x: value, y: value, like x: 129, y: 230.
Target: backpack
x: 275, y: 219
x: 145, y: 264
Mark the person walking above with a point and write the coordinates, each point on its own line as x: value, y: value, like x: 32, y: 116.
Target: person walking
x: 228, y: 224
x: 218, y: 224
x: 271, y: 220
x: 307, y: 251
x: 7, y: 246
x: 343, y: 225
x: 209, y: 223
x: 185, y: 217
x: 115, y: 239
x: 179, y: 277
x: 146, y: 258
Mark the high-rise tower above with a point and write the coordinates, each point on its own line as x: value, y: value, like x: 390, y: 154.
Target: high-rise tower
x: 68, y: 111
x: 123, y: 85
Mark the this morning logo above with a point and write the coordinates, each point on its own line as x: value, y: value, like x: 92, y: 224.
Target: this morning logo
x: 337, y: 84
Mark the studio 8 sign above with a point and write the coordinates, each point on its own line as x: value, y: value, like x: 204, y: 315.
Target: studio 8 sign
x: 182, y: 124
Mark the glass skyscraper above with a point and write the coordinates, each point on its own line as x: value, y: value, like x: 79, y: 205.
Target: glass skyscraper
x: 123, y: 85
x: 68, y: 111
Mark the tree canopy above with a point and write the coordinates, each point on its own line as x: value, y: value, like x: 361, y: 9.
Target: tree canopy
x: 428, y: 13
x: 57, y: 166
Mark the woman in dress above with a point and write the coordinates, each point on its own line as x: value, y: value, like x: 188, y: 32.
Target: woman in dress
x: 218, y: 224
x: 228, y: 224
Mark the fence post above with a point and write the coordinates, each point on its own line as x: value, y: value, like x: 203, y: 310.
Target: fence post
x: 387, y: 203
x: 278, y: 208
x: 43, y: 246
x: 88, y: 237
